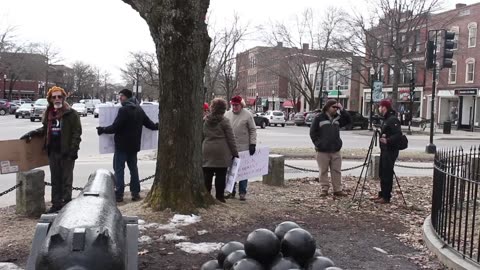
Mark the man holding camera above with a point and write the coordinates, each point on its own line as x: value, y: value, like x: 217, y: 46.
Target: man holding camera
x: 390, y: 136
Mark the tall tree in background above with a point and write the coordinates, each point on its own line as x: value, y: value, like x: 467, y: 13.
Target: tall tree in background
x: 182, y: 43
x: 52, y: 57
x: 220, y: 70
x: 310, y: 41
x: 85, y: 78
x: 389, y: 37
x: 145, y: 65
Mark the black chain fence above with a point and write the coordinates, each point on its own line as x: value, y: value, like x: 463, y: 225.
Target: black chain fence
x: 286, y: 165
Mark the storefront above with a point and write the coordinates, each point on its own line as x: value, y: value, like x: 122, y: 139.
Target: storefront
x: 403, y: 102
x: 459, y: 106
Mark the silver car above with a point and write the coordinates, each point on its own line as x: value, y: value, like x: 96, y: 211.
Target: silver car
x: 38, y: 109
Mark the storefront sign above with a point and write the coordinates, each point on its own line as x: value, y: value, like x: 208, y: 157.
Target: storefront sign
x: 466, y: 92
x: 377, y: 91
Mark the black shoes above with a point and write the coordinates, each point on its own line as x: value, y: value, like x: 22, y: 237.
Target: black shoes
x: 119, y: 199
x: 136, y: 197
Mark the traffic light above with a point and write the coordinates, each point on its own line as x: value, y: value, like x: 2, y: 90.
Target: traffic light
x: 430, y: 54
x: 412, y: 88
x: 448, y: 45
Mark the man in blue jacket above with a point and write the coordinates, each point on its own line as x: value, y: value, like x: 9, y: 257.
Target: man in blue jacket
x: 325, y: 135
x: 127, y: 128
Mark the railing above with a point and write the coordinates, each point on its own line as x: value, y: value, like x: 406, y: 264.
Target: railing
x: 456, y: 200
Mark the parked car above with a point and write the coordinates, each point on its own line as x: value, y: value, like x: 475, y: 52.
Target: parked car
x: 276, y: 118
x: 13, y: 107
x: 309, y: 118
x: 299, y: 119
x: 24, y: 110
x: 90, y: 104
x: 4, y: 106
x: 80, y: 108
x: 21, y: 101
x: 97, y: 110
x: 358, y: 120
x: 260, y: 119
x: 39, y: 107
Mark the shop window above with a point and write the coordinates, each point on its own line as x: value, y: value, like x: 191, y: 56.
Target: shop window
x: 456, y: 30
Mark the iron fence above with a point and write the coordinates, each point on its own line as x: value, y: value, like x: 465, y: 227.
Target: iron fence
x: 456, y: 200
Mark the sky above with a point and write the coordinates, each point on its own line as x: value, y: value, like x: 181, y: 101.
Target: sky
x: 103, y: 32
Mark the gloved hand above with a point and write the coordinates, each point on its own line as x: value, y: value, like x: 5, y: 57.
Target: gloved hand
x: 156, y: 126
x: 100, y: 130
x: 251, y: 149
x: 28, y: 136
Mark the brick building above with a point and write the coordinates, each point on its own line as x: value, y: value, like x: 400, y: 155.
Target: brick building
x: 457, y: 88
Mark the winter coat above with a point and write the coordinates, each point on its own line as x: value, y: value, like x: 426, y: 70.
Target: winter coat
x: 71, y: 131
x: 128, y: 126
x: 392, y: 130
x: 244, y: 128
x: 325, y: 131
x: 218, y: 145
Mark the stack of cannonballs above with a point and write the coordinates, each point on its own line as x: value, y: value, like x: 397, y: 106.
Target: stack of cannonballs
x: 289, y: 248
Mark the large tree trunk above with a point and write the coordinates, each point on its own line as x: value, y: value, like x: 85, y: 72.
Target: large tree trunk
x: 182, y: 43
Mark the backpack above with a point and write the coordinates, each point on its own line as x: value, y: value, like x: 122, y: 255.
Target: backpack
x: 403, y: 143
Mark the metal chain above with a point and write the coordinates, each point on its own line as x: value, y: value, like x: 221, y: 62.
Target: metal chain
x: 413, y: 167
x: 80, y: 188
x: 10, y: 189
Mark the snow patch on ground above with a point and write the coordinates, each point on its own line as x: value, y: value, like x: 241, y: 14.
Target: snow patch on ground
x: 202, y: 232
x: 173, y: 237
x: 145, y: 239
x: 185, y: 220
x: 197, y: 248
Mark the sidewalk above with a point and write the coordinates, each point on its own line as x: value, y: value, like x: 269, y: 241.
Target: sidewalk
x: 438, y: 135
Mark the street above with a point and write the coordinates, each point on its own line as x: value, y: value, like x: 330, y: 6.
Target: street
x: 275, y: 137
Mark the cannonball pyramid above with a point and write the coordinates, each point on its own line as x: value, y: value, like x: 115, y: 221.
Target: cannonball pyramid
x: 289, y: 247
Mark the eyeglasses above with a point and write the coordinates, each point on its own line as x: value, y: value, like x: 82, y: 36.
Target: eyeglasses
x: 57, y: 97
x: 336, y: 107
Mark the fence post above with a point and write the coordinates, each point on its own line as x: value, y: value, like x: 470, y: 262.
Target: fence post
x: 374, y: 168
x: 276, y: 171
x: 30, y: 199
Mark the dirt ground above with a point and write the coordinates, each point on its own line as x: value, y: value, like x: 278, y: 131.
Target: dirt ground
x: 352, y: 236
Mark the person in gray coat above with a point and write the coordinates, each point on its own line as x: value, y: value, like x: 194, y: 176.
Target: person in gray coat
x: 218, y: 147
x: 245, y: 133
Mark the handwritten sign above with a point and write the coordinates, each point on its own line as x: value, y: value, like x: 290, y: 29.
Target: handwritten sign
x: 106, y: 117
x: 248, y: 166
x: 232, y: 174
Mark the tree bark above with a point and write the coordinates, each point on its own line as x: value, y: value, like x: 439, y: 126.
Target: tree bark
x: 182, y: 44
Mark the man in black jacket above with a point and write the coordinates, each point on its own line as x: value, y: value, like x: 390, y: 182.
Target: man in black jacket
x: 325, y: 135
x: 127, y: 128
x: 390, y: 137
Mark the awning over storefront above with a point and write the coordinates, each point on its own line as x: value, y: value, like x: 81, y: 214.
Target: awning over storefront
x: 288, y: 104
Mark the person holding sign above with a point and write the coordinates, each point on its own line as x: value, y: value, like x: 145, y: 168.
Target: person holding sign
x: 246, y: 134
x: 62, y: 129
x: 325, y: 135
x: 127, y: 128
x: 218, y: 147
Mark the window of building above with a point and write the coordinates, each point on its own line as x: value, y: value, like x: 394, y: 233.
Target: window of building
x: 406, y: 73
x: 472, y: 34
x: 456, y: 30
x: 390, y: 75
x: 470, y: 70
x: 343, y: 77
x: 452, y: 73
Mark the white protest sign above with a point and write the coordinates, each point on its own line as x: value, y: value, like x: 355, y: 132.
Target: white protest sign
x: 232, y: 174
x: 255, y: 165
x: 106, y: 117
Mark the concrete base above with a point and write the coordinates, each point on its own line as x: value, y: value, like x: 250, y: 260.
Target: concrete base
x: 448, y: 256
x: 30, y: 200
x: 276, y: 171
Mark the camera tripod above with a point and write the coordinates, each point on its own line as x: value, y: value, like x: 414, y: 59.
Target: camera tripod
x: 366, y: 165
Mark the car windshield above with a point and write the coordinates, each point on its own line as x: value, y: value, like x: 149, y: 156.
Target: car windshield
x: 26, y: 106
x: 78, y: 105
x: 277, y: 113
x: 41, y: 102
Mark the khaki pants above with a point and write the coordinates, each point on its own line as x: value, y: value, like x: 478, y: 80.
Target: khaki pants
x: 334, y: 162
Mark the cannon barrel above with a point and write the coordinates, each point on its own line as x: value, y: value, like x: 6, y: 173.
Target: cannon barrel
x: 88, y: 233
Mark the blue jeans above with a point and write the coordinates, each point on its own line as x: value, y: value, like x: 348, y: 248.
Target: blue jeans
x: 119, y: 159
x: 242, y: 187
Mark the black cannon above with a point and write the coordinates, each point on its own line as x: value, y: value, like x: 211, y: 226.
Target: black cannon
x: 88, y: 233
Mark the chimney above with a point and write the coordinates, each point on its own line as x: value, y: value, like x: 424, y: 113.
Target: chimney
x: 460, y: 5
x: 279, y: 44
x: 305, y: 46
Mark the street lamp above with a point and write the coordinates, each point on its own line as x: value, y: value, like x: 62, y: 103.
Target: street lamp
x: 338, y: 91
x: 4, y: 86
x: 372, y: 79
x: 273, y: 100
